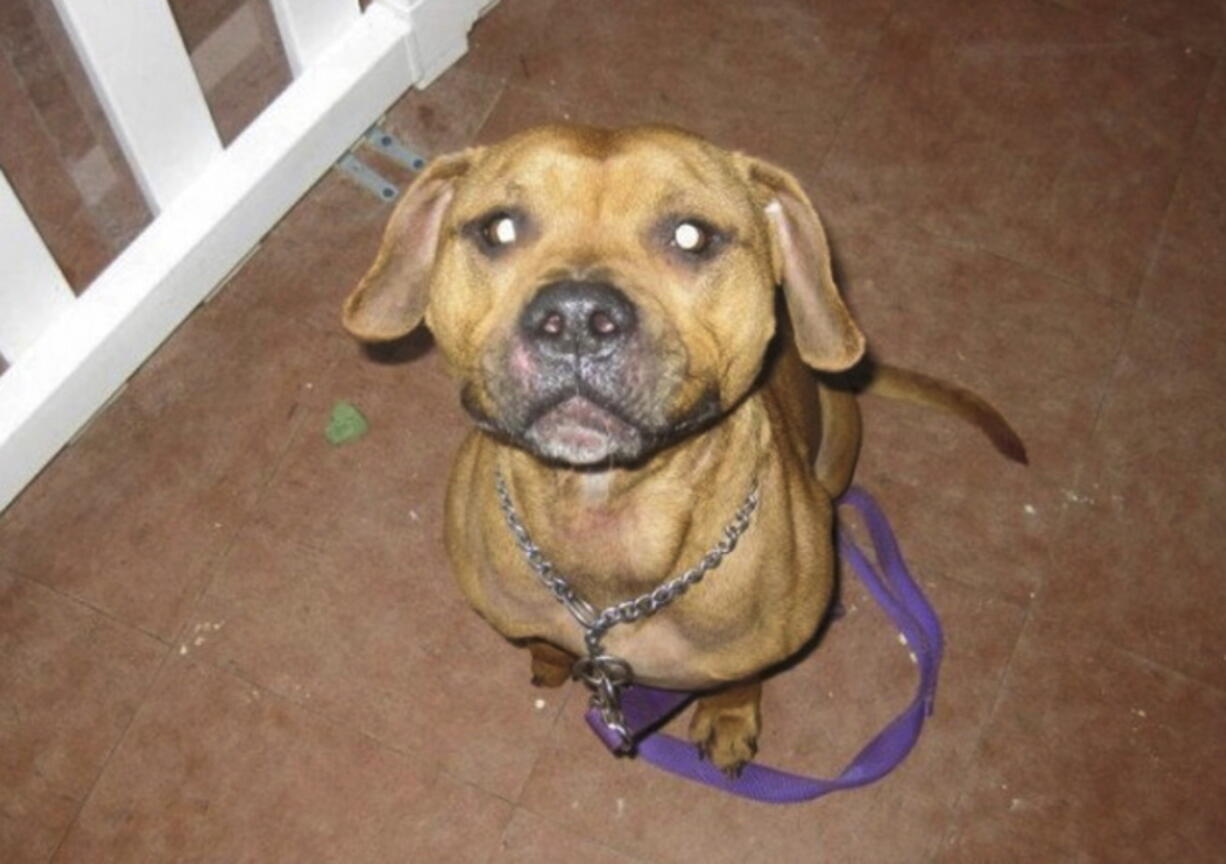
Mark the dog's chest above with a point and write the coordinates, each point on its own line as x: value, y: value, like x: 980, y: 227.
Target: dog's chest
x: 664, y: 650
x: 610, y: 554
x: 607, y: 560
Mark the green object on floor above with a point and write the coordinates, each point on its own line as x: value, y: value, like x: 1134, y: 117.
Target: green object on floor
x: 346, y: 424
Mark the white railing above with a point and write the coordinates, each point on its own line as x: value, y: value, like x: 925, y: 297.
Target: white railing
x: 67, y: 354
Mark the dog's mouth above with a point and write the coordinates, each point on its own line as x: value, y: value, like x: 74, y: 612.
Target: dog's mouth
x: 578, y: 431
x: 587, y: 410
x: 580, y: 428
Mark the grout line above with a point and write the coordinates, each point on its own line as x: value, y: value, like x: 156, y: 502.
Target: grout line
x: 972, y: 761
x: 1158, y: 666
x: 872, y: 59
x: 1142, y: 36
x: 119, y: 739
x: 323, y: 716
x: 1134, y: 310
x: 565, y: 828
x: 1155, y: 253
x: 213, y: 568
x: 517, y: 61
x: 134, y: 629
x: 1195, y: 134
x: 1063, y: 516
x: 567, y: 693
x: 503, y: 86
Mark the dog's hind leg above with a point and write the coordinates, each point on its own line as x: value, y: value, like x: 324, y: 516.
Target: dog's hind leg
x: 840, y: 445
x: 726, y: 725
x: 550, y: 664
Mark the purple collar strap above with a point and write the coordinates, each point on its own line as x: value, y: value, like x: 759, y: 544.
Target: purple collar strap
x: 900, y: 596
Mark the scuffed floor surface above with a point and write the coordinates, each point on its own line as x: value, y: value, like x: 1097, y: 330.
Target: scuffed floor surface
x: 223, y: 639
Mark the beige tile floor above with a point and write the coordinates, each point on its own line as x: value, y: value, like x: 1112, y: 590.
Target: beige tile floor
x: 222, y: 639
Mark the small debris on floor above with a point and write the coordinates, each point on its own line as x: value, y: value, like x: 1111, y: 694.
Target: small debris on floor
x: 1074, y: 497
x: 346, y: 424
x: 539, y: 704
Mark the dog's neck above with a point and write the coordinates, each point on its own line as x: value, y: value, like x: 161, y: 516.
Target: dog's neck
x: 620, y: 531
x: 597, y: 486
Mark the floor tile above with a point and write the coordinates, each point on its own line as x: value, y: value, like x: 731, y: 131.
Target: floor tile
x: 43, y: 80
x: 41, y: 183
x: 72, y: 680
x: 214, y: 769
x: 314, y: 257
x: 501, y: 37
x: 1039, y: 349
x: 57, y: 149
x: 1046, y: 135
x: 776, y: 78
x: 198, y: 19
x: 338, y: 594
x: 446, y: 115
x: 1185, y: 282
x: 1139, y: 559
x: 531, y: 839
x: 241, y: 67
x: 1035, y: 346
x: 122, y: 213
x: 1200, y: 23
x: 1094, y: 755
x: 171, y: 467
x: 816, y: 716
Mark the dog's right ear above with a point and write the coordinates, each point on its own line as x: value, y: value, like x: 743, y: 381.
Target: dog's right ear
x: 391, y: 299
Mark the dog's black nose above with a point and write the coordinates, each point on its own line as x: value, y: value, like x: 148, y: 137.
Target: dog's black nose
x: 570, y: 319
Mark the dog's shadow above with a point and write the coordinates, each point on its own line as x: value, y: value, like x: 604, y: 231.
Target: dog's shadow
x: 407, y: 349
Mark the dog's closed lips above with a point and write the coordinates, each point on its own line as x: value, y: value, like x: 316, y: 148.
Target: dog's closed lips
x: 579, y: 432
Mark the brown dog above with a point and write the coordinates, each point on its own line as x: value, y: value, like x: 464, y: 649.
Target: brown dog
x: 607, y: 301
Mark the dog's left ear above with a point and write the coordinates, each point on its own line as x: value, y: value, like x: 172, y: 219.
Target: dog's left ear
x: 391, y: 299
x: 827, y: 338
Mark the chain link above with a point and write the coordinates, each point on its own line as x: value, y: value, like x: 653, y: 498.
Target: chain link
x: 605, y: 674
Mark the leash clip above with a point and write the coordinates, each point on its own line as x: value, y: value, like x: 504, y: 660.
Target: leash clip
x: 607, y: 676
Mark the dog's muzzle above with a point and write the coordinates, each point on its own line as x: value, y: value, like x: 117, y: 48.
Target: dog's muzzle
x: 579, y: 380
x: 579, y: 341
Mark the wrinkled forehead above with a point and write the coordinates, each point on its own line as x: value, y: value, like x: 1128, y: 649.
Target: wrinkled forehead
x: 607, y: 171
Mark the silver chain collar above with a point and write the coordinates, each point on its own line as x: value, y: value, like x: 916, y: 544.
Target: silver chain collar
x: 605, y: 674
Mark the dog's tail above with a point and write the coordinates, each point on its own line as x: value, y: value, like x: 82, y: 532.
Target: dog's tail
x: 905, y: 385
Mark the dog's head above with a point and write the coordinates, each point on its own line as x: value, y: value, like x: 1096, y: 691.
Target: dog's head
x: 601, y: 293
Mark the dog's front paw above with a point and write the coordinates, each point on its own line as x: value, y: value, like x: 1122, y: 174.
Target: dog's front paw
x: 726, y: 731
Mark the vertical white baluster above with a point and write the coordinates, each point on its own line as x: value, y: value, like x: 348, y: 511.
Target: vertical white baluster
x: 140, y: 71
x: 309, y: 26
x: 33, y: 291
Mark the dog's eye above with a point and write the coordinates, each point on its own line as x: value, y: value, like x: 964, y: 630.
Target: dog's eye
x: 499, y: 230
x: 691, y: 236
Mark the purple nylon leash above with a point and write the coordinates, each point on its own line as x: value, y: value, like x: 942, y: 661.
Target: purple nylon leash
x: 901, y: 598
